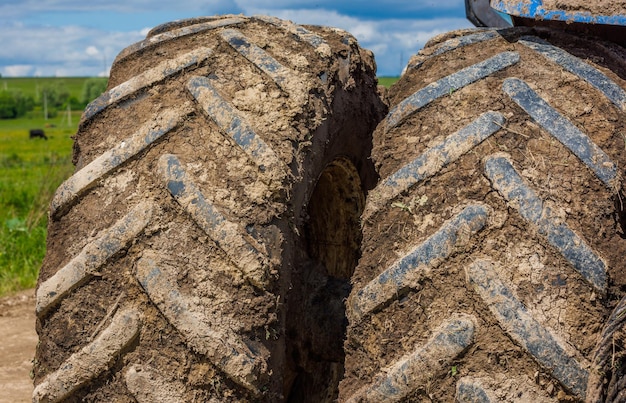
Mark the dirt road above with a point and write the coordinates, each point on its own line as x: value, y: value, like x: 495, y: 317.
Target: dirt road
x: 17, y: 346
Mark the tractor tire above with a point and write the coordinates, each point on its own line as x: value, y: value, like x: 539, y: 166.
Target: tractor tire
x: 216, y: 200
x: 493, y: 247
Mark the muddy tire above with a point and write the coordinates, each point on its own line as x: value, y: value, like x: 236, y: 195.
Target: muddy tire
x: 226, y: 155
x: 493, y: 247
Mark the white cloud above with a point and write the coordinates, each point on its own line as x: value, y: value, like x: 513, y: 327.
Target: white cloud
x: 393, y: 41
x: 360, y: 7
x: 10, y: 10
x: 400, y: 7
x: 60, y: 51
x: 92, y: 51
x: 18, y: 70
x: 83, y: 50
x: 397, y: 40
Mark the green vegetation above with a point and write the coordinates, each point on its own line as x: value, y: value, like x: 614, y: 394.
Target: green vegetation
x: 33, y: 86
x: 30, y: 172
x: 92, y: 88
x: 46, y: 96
x: 14, y: 104
x: 387, y: 81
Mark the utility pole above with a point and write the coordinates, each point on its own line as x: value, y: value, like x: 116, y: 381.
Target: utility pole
x: 45, y: 106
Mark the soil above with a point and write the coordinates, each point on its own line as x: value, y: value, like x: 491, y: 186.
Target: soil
x: 17, y: 332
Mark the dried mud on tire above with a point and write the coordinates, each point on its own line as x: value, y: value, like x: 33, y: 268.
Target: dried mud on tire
x: 493, y: 246
x: 183, y: 251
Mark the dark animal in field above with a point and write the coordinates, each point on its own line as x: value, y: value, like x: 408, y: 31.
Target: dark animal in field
x: 37, y: 133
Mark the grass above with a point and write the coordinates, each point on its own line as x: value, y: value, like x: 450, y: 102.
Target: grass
x: 30, y: 172
x: 33, y: 85
x: 387, y: 81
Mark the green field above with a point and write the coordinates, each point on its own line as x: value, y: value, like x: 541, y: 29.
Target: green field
x: 30, y: 171
x: 33, y: 85
x: 387, y: 81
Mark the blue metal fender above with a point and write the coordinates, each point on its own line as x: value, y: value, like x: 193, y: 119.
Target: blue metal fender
x: 535, y: 9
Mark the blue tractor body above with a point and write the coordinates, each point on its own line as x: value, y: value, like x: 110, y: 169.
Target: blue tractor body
x: 604, y: 19
x: 538, y: 10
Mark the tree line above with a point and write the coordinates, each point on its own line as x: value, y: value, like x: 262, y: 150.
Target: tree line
x: 52, y: 97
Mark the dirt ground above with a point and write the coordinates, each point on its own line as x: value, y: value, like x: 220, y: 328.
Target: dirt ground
x: 17, y: 346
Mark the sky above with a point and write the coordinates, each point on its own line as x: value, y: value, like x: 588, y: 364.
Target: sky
x: 65, y: 38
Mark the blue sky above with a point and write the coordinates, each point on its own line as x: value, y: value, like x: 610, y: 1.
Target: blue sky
x: 82, y: 37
